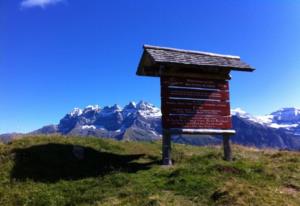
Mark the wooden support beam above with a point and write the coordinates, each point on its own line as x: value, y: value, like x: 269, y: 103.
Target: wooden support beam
x: 227, y: 147
x: 166, y: 148
x: 184, y: 72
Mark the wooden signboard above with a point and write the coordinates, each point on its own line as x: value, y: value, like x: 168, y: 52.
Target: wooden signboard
x: 195, y: 103
x: 194, y: 92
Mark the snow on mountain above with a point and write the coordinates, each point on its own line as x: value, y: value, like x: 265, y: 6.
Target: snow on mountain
x: 285, y: 118
x: 90, y: 108
x: 241, y: 113
x: 76, y: 112
x: 141, y: 120
x: 148, y: 110
x: 114, y: 120
x: 88, y: 127
x: 106, y: 111
x: 129, y: 109
x: 287, y: 115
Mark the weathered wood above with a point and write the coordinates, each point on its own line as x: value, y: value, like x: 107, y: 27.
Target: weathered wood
x: 183, y: 103
x: 197, y: 122
x: 195, y: 82
x: 196, y: 111
x: 178, y: 62
x: 173, y: 71
x: 194, y: 92
x: 166, y: 148
x: 201, y: 94
x: 184, y: 100
x: 196, y: 108
x: 202, y: 131
x: 227, y: 147
x: 207, y: 72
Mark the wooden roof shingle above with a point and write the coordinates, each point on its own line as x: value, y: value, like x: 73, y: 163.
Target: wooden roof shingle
x: 155, y: 56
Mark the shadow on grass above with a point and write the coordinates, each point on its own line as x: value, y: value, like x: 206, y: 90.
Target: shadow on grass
x: 53, y: 162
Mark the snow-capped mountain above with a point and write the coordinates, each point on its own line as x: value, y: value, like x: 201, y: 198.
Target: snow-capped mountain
x: 142, y: 121
x: 287, y: 115
x: 134, y: 121
x: 286, y: 118
x: 280, y: 129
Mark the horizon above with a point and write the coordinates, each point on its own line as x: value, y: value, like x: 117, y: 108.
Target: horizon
x: 234, y: 111
x: 62, y: 54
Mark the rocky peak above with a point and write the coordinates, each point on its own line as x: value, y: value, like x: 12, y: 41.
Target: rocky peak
x: 148, y: 110
x: 142, y: 105
x: 90, y: 108
x: 130, y: 105
x: 129, y: 109
x: 76, y: 112
x: 110, y: 110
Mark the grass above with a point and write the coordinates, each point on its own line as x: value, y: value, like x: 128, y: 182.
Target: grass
x: 45, y: 171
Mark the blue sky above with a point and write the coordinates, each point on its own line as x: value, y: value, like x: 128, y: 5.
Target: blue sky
x: 56, y: 55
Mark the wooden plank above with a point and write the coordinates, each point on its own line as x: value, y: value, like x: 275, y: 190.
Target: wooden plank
x: 183, y: 103
x: 200, y: 121
x: 190, y: 82
x: 197, y: 126
x: 217, y: 95
x: 198, y: 117
x: 202, y: 107
x: 184, y: 71
x: 195, y: 110
x: 156, y: 72
x: 171, y: 106
x: 202, y: 131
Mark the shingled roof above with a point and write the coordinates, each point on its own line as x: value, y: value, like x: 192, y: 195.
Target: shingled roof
x: 154, y: 56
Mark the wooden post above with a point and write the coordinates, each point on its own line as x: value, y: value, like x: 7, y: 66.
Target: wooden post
x: 227, y: 147
x: 166, y: 148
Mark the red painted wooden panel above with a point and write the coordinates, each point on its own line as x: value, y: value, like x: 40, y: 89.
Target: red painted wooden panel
x: 217, y: 95
x: 193, y: 110
x: 195, y: 107
x: 203, y: 122
x: 182, y: 103
x: 189, y: 82
x: 195, y: 103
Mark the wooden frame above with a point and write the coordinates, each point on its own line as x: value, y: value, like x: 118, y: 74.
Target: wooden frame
x: 167, y: 134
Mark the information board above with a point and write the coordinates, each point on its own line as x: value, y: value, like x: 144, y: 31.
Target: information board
x: 195, y: 103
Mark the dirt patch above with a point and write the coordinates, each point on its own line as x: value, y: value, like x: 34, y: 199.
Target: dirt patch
x: 227, y: 169
x: 292, y: 186
x: 290, y: 189
x: 218, y: 194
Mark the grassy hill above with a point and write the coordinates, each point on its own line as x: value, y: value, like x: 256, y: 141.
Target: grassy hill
x: 88, y: 171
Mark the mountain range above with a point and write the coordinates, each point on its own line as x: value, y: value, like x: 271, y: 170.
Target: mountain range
x: 142, y: 121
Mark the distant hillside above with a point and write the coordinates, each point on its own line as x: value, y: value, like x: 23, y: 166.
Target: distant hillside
x: 56, y: 170
x: 5, y: 138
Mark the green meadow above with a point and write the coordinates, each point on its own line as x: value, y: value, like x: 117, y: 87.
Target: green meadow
x: 56, y: 170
